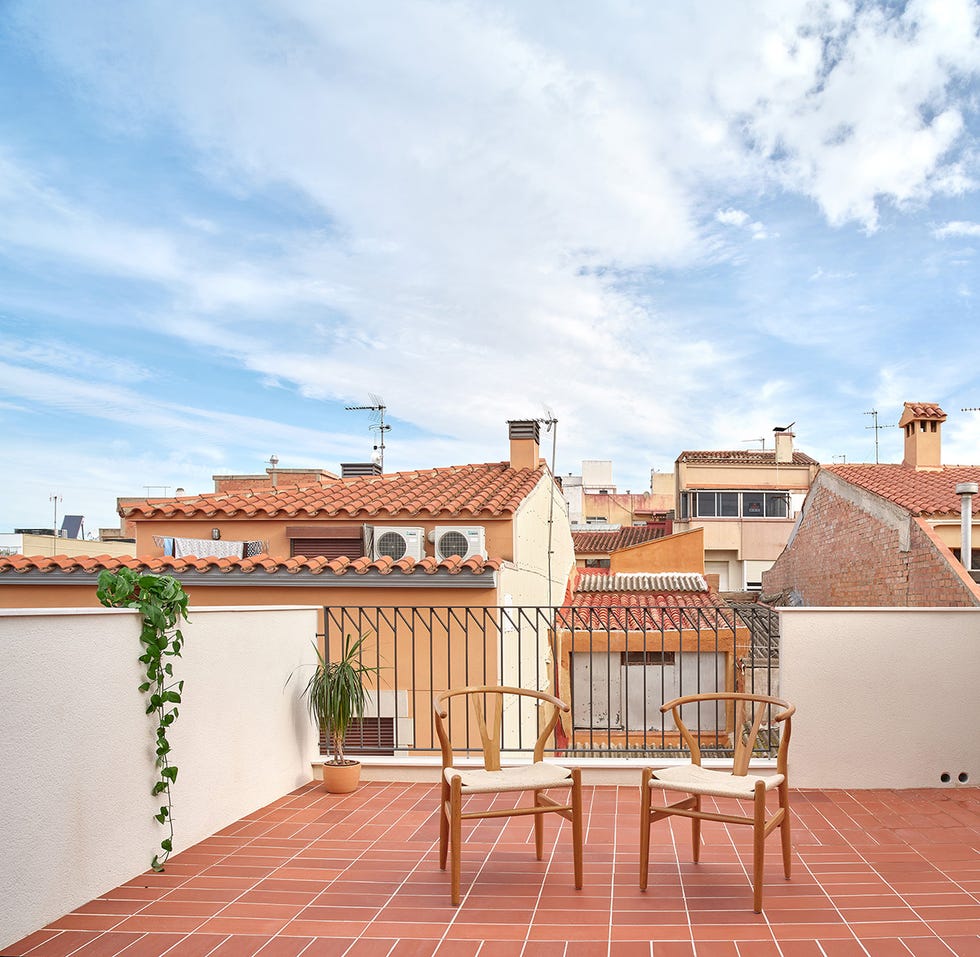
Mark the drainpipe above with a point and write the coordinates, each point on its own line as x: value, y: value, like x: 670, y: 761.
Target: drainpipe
x: 966, y: 491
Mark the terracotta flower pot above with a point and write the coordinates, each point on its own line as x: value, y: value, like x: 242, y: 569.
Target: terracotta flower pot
x: 341, y: 778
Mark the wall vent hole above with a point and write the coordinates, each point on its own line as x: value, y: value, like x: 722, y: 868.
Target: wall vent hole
x: 945, y: 777
x: 963, y: 777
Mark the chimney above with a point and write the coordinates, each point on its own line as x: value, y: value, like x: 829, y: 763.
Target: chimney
x: 966, y: 491
x: 922, y: 423
x: 356, y: 469
x: 525, y: 437
x: 784, y: 446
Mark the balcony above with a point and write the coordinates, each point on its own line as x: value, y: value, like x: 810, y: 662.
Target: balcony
x: 885, y: 851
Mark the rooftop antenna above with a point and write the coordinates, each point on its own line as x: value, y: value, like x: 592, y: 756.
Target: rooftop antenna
x: 842, y: 458
x: 876, y: 427
x: 762, y: 440
x: 56, y: 498
x: 378, y: 408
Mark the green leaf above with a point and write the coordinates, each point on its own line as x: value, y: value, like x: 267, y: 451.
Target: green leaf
x: 167, y: 845
x: 169, y: 773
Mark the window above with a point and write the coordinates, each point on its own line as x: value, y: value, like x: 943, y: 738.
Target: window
x: 597, y: 563
x: 749, y: 504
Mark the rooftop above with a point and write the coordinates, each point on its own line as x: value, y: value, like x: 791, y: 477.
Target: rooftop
x: 743, y: 457
x: 61, y: 565
x: 611, y: 541
x: 876, y: 874
x: 486, y: 491
x: 922, y: 492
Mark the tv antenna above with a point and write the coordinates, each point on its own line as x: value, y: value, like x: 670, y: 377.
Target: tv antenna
x: 377, y: 410
x: 762, y: 440
x: 876, y: 427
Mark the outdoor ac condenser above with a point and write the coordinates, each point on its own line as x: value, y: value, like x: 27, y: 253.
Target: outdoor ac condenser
x: 462, y: 540
x: 397, y: 542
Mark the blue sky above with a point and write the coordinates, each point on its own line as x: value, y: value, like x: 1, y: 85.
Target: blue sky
x: 673, y: 226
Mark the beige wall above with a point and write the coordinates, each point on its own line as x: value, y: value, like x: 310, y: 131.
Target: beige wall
x: 499, y: 532
x: 75, y: 745
x: 683, y: 552
x: 48, y: 545
x: 885, y: 697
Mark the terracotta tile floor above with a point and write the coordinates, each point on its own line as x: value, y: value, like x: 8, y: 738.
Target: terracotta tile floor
x: 876, y: 874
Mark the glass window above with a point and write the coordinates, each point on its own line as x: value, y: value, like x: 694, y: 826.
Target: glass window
x: 753, y: 504
x: 776, y: 505
x: 706, y: 504
x: 728, y: 504
x: 685, y: 504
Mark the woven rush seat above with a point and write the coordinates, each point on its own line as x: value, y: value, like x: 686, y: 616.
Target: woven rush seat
x: 527, y: 777
x: 694, y: 779
x: 526, y: 707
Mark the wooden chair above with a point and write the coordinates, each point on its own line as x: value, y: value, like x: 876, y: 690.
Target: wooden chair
x: 487, y: 703
x: 739, y: 784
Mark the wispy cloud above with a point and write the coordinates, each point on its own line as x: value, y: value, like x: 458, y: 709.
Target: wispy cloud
x: 475, y: 209
x: 956, y: 228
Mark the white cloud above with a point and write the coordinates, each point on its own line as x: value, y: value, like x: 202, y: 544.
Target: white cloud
x: 732, y: 217
x: 956, y: 228
x: 487, y: 188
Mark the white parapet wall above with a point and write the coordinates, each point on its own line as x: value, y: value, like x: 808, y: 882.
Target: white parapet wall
x: 885, y: 697
x: 76, y: 748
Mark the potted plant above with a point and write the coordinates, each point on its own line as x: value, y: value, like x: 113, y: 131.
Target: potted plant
x: 335, y: 696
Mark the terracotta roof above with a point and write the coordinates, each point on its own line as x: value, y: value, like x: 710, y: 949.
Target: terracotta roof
x: 743, y: 457
x: 463, y: 490
x: 586, y: 581
x: 639, y: 600
x: 612, y: 541
x: 921, y: 410
x: 634, y: 611
x: 61, y: 566
x: 929, y: 493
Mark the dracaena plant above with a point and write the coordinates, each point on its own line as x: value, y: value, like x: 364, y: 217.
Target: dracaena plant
x: 162, y: 604
x: 335, y: 694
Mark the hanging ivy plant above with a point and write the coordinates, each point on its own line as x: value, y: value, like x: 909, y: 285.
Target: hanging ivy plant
x: 162, y: 603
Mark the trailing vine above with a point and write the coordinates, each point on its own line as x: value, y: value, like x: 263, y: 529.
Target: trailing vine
x: 162, y: 603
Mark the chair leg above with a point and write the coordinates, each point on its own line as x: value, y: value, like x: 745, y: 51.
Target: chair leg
x: 455, y: 836
x: 696, y: 831
x: 784, y: 828
x: 538, y: 829
x: 644, y: 828
x: 577, y: 825
x: 443, y: 823
x: 758, y: 845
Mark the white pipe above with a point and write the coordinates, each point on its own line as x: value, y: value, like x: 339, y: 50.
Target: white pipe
x: 966, y: 491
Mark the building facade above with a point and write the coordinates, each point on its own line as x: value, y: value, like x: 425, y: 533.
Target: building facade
x: 746, y: 501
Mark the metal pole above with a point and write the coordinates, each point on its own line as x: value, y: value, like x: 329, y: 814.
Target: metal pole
x: 966, y: 491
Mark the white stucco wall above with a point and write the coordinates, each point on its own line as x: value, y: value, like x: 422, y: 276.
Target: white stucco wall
x: 76, y: 755
x: 885, y: 697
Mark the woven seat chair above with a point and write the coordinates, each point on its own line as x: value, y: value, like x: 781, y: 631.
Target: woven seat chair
x: 487, y: 704
x: 697, y: 782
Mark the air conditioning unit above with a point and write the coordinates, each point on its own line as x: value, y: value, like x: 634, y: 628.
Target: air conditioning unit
x: 462, y: 540
x: 397, y: 542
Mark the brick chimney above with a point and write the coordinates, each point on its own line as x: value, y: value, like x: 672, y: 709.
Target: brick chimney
x: 923, y: 426
x: 525, y: 438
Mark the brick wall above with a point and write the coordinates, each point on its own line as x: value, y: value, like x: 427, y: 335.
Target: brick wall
x: 853, y: 548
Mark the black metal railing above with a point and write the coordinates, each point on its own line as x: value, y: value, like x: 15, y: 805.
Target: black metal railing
x: 613, y: 665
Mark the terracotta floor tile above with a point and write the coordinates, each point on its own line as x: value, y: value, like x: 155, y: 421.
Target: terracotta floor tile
x: 842, y: 948
x: 328, y: 947
x: 106, y: 945
x: 284, y: 947
x: 311, y: 875
x: 239, y: 945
